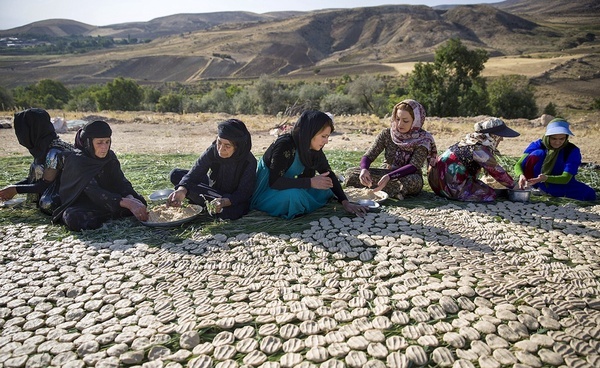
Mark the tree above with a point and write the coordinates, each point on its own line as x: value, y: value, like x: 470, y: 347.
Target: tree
x: 46, y: 94
x: 83, y: 98
x: 367, y: 91
x: 271, y: 96
x: 244, y: 103
x: 550, y: 109
x: 310, y: 95
x: 216, y: 101
x: 120, y: 94
x: 451, y: 85
x: 171, y: 102
x: 6, y: 99
x: 512, y: 97
x: 338, y: 104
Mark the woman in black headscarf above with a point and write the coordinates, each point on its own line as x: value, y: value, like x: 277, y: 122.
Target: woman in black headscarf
x: 93, y: 188
x: 35, y: 131
x: 287, y: 184
x: 224, y: 174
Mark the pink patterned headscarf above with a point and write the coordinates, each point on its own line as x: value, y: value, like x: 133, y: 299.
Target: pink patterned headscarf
x: 416, y: 137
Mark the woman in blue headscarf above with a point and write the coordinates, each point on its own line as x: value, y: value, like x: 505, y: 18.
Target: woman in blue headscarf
x: 93, y: 187
x: 287, y: 185
x: 551, y: 163
x: 224, y: 174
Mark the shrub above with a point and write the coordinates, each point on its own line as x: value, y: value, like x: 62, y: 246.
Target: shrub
x: 550, y: 109
x: 512, y: 97
x: 170, y: 103
x: 6, y: 99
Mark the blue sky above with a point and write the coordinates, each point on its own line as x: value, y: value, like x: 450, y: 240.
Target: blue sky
x: 18, y: 13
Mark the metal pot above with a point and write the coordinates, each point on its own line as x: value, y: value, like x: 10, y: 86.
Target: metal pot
x: 519, y: 195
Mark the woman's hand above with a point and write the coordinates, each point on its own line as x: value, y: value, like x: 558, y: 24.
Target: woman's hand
x: 321, y: 181
x: 8, y: 193
x: 136, y: 207
x: 176, y: 198
x: 522, y: 182
x: 540, y: 179
x: 219, y: 203
x: 365, y: 178
x: 354, y: 208
x: 382, y: 183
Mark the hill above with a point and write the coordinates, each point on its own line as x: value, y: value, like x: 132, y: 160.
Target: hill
x: 187, y: 48
x: 158, y: 27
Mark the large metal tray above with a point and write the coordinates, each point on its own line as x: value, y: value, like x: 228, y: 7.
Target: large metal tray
x: 174, y: 223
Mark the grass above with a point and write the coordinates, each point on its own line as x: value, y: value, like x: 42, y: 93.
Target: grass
x: 150, y: 172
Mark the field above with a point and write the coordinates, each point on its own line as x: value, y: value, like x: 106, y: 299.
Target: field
x: 156, y: 133
x: 419, y: 282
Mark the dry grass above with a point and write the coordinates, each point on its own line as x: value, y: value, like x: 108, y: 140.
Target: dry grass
x: 166, y: 133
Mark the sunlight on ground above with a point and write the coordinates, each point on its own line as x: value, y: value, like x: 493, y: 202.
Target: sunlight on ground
x: 504, y: 65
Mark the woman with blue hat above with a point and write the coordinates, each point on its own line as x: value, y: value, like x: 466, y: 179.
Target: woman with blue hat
x: 551, y: 163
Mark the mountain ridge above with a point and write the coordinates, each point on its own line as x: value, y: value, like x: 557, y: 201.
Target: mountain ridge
x: 241, y: 45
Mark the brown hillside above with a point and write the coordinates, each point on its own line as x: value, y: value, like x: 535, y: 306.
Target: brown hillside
x: 182, y: 23
x: 52, y: 27
x: 579, y: 8
x: 336, y: 42
x: 247, y: 49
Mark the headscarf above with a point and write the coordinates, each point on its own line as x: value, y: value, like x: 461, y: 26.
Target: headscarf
x: 485, y: 139
x: 552, y: 153
x: 416, y: 136
x: 308, y: 125
x: 234, y: 130
x: 35, y: 131
x: 85, y: 136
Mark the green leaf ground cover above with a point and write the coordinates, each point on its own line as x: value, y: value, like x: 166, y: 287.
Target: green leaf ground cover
x: 150, y: 172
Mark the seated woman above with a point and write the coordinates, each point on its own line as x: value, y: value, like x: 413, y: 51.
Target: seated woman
x: 287, y: 184
x: 232, y: 177
x: 93, y: 188
x: 455, y: 173
x: 35, y: 131
x: 551, y: 163
x: 407, y: 147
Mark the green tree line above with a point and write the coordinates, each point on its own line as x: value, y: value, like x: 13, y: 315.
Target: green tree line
x: 28, y: 44
x: 452, y: 85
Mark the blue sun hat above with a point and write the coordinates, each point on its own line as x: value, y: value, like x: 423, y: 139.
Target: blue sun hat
x: 558, y: 126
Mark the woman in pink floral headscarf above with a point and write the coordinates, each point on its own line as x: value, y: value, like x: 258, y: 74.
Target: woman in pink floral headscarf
x: 406, y: 148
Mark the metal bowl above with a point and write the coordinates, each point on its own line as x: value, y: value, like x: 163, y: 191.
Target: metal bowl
x: 368, y: 203
x: 501, y: 193
x: 15, y: 202
x: 160, y: 195
x: 519, y: 195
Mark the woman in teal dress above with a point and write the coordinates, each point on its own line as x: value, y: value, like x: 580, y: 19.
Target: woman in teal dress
x: 287, y: 181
